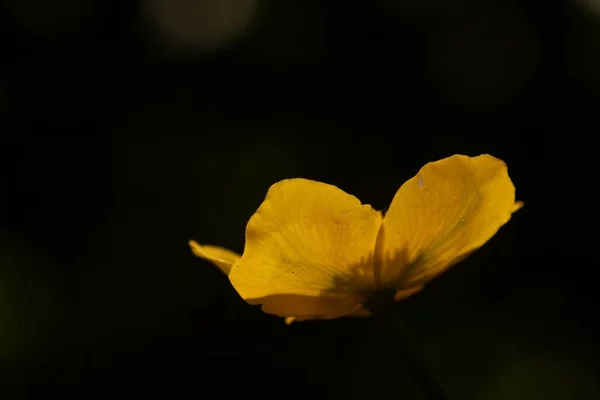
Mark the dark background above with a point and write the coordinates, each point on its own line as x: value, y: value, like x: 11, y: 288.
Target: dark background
x: 126, y: 129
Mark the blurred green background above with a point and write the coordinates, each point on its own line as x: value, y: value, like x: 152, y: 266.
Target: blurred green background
x: 127, y: 128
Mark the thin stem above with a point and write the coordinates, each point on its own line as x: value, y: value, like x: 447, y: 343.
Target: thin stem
x: 384, y: 311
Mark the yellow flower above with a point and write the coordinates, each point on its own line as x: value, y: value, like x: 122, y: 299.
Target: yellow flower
x: 314, y: 252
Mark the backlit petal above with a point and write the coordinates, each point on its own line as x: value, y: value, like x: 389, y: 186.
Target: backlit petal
x: 404, y: 293
x: 448, y: 210
x: 359, y: 311
x: 219, y: 256
x: 309, y: 251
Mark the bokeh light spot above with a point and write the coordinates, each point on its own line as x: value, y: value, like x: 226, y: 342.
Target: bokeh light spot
x: 202, y: 25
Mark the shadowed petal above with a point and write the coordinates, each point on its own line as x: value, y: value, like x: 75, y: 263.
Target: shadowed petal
x: 359, y: 311
x: 309, y: 251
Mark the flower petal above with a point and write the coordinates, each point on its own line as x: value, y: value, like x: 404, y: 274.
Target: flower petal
x: 359, y: 311
x: 448, y: 210
x: 309, y: 251
x: 219, y: 256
